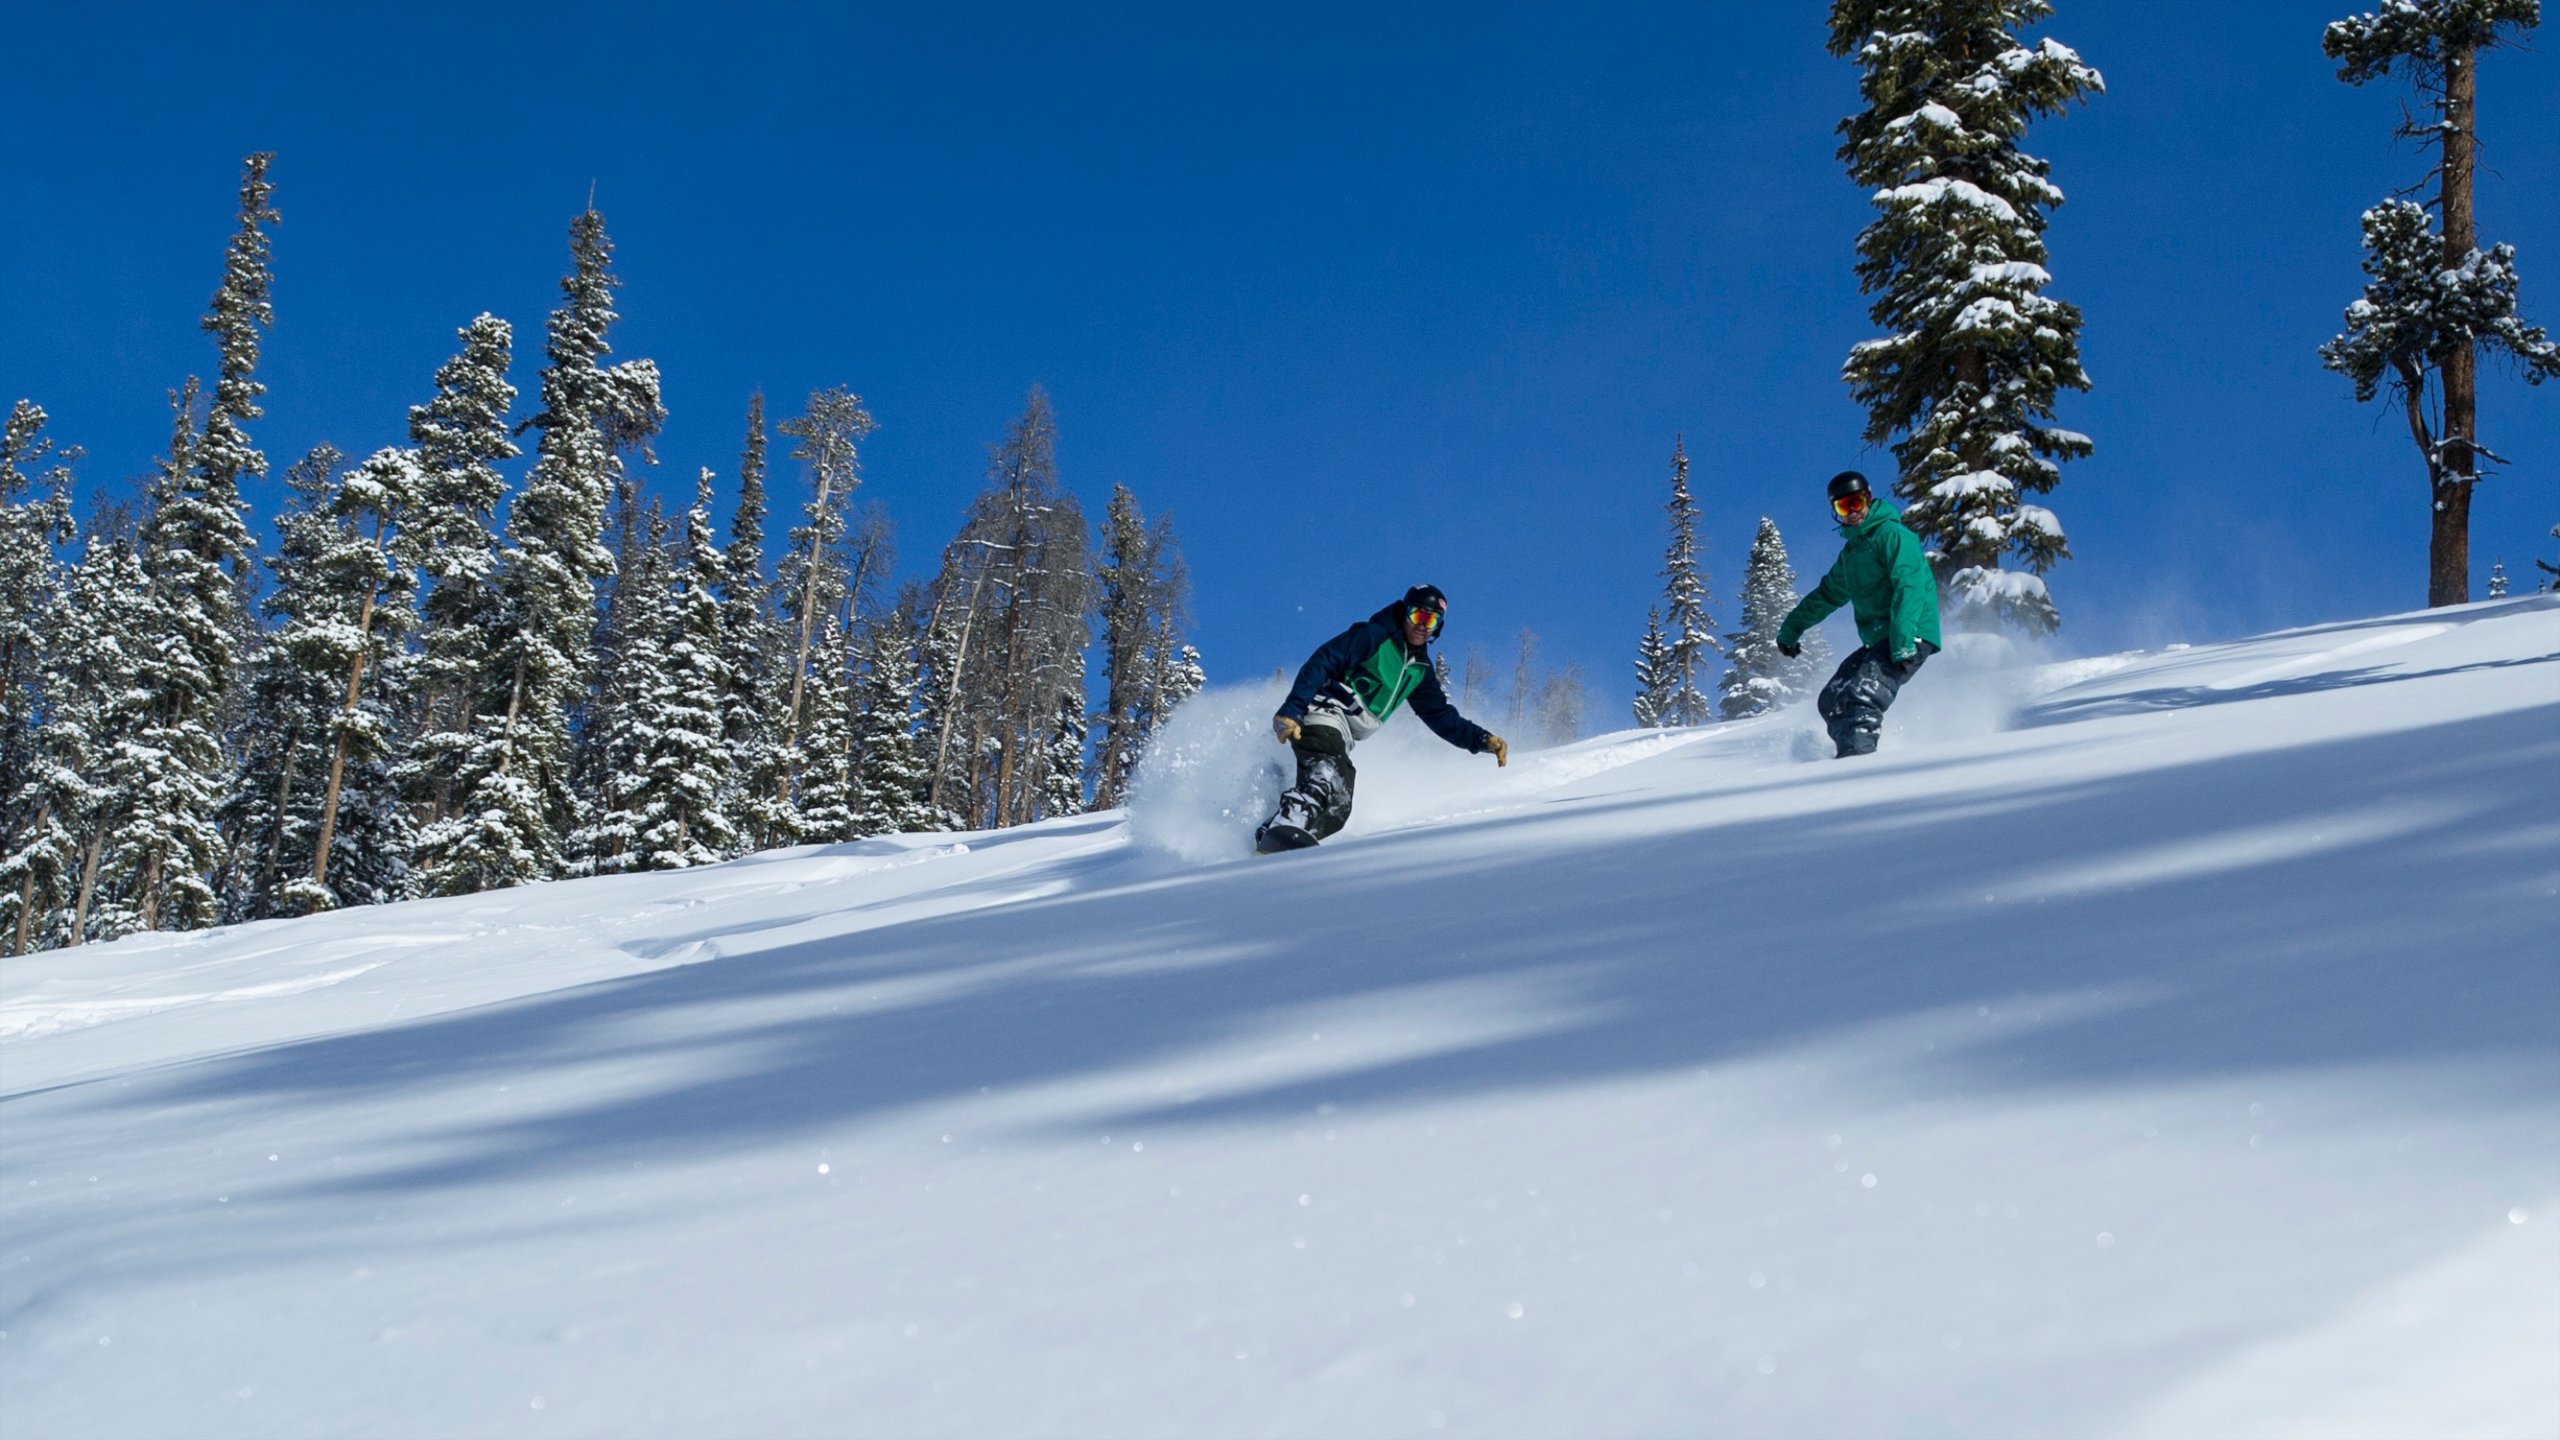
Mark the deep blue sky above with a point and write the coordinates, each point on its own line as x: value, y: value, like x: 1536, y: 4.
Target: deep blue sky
x: 1363, y: 294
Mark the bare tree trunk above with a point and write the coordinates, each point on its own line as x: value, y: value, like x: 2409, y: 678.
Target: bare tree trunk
x: 151, y: 892
x: 515, y: 702
x: 338, y: 760
x: 27, y: 892
x: 800, y: 666
x: 88, y: 888
x: 951, y: 693
x: 2449, y: 541
x: 275, y: 825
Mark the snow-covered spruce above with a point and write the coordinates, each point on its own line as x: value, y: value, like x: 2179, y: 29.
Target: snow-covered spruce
x: 1692, y: 636
x: 1759, y: 679
x: 751, y: 644
x: 517, y: 808
x: 315, y: 815
x: 460, y: 436
x: 1975, y: 352
x: 35, y: 516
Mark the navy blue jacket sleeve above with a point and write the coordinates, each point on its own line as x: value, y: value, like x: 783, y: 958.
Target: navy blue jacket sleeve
x: 1331, y: 662
x: 1432, y: 703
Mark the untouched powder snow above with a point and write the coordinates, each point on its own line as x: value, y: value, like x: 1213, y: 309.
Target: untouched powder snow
x: 2164, y: 1044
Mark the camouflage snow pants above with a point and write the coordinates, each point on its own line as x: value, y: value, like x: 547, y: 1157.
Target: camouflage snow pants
x: 1860, y: 691
x: 1320, y: 803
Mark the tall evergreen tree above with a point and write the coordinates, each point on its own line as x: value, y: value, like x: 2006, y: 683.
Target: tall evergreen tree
x: 517, y: 801
x: 171, y: 770
x: 361, y: 852
x: 1976, y: 352
x: 894, y: 781
x: 831, y: 802
x: 78, y: 784
x: 750, y: 645
x: 1653, y: 672
x: 451, y: 541
x: 35, y: 516
x: 271, y: 812
x: 1760, y: 679
x: 197, y: 550
x: 1016, y: 588
x: 1684, y: 595
x: 620, y: 713
x: 684, y: 818
x: 1145, y: 604
x: 2434, y: 303
x: 813, y: 580
x: 1062, y: 767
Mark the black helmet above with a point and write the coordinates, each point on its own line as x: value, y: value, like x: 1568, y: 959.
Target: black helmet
x: 1429, y: 597
x: 1848, y: 482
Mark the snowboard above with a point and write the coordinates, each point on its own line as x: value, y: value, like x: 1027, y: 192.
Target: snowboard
x: 1277, y: 838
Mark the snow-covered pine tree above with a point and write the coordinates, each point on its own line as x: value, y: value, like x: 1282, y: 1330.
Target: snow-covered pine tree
x: 621, y: 711
x: 684, y: 818
x: 894, y: 780
x: 1977, y: 351
x: 830, y: 789
x: 2547, y: 568
x: 197, y: 550
x: 2433, y: 303
x: 1179, y: 675
x: 83, y: 765
x: 1020, y: 580
x: 2497, y: 580
x: 1653, y: 672
x: 361, y: 853
x: 749, y: 644
x: 169, y: 766
x: 460, y: 436
x: 1684, y: 595
x: 35, y: 516
x: 1760, y: 679
x: 598, y: 714
x: 1144, y: 590
x: 517, y: 804
x: 1062, y: 764
x: 270, y: 814
x: 812, y: 579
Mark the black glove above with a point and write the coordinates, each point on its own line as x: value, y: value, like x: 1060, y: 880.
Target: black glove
x: 1790, y: 649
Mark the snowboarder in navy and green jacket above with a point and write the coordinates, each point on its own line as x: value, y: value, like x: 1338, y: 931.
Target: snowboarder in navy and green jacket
x: 1345, y: 691
x: 1883, y: 576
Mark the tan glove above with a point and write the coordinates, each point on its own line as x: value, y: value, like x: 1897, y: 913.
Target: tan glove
x: 1501, y: 753
x: 1285, y: 728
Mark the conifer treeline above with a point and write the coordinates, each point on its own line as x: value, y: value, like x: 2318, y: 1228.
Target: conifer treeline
x: 441, y: 690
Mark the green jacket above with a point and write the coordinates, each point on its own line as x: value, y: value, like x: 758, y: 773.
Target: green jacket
x: 1883, y: 576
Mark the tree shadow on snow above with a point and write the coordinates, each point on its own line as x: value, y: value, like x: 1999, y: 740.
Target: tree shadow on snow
x: 2344, y: 903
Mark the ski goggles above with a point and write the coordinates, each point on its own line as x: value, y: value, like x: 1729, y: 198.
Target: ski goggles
x: 1852, y: 508
x: 1422, y: 618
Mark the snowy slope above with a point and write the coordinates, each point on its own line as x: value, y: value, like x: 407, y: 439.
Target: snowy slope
x: 2166, y: 1044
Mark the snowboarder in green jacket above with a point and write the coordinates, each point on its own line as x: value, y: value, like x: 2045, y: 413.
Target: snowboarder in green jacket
x: 1345, y: 691
x: 1883, y: 576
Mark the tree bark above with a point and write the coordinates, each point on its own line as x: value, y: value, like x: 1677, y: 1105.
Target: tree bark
x: 2449, y: 541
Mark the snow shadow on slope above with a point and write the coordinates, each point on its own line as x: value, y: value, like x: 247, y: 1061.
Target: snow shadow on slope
x: 2376, y: 921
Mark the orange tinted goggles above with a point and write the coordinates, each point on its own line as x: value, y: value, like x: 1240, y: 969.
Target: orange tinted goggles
x: 1423, y: 618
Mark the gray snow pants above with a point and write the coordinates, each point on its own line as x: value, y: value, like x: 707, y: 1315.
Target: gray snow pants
x: 1320, y: 803
x: 1860, y: 691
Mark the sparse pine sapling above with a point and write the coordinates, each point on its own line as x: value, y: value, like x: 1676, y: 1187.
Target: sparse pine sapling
x: 2434, y: 302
